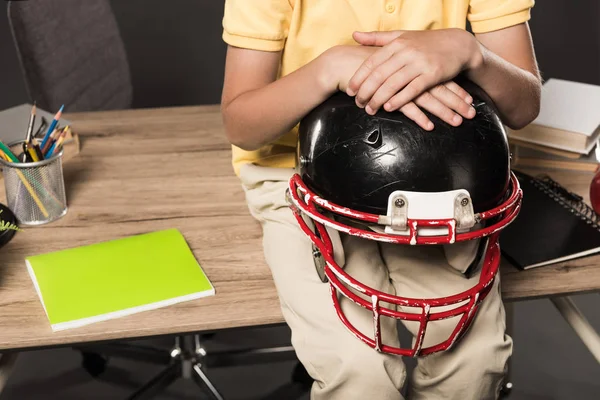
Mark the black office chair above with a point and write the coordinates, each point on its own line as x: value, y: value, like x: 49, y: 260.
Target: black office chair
x: 71, y: 52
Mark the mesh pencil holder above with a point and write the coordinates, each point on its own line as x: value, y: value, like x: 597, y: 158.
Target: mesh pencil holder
x: 35, y: 191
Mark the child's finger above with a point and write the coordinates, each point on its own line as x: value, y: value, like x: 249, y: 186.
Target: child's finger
x: 453, y: 101
x: 379, y: 94
x: 411, y: 91
x: 429, y: 102
x: 376, y: 38
x: 368, y: 66
x: 459, y: 91
x: 413, y: 112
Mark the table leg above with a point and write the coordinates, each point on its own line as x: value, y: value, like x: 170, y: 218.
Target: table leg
x: 579, y: 323
x: 7, y: 361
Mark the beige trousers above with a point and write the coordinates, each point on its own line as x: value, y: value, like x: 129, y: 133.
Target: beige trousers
x: 343, y: 367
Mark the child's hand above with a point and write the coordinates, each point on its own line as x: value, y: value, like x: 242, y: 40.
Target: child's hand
x: 447, y: 101
x: 408, y: 64
x: 344, y: 61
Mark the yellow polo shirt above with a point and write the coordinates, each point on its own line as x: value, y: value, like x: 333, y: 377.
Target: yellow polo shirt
x: 304, y: 29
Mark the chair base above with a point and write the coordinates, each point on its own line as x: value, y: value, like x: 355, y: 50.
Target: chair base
x: 187, y: 360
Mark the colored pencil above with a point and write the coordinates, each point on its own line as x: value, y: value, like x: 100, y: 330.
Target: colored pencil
x: 4, y: 156
x: 48, y: 144
x: 8, y: 153
x: 57, y: 136
x: 32, y: 153
x: 52, y: 125
x: 37, y: 149
x: 58, y: 142
x: 32, y: 193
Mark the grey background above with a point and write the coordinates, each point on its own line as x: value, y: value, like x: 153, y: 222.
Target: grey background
x: 177, y: 57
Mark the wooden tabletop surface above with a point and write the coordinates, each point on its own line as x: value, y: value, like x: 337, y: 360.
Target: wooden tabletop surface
x: 146, y: 170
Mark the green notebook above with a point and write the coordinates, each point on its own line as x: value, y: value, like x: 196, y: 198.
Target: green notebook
x: 121, y: 277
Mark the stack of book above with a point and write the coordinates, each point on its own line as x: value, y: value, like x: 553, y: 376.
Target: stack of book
x: 565, y: 133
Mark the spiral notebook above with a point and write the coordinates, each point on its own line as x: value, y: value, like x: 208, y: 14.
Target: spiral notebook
x: 554, y: 225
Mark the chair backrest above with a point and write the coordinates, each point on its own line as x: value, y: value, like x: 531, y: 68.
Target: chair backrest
x: 71, y: 53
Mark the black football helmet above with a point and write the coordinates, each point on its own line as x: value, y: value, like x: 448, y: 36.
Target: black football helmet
x: 384, y: 178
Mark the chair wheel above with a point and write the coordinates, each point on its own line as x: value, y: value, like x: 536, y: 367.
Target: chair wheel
x: 93, y: 363
x: 506, y: 389
x: 299, y: 375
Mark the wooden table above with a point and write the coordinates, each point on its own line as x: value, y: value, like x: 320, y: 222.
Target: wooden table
x: 145, y: 170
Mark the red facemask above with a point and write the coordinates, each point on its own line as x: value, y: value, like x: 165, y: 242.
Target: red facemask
x: 304, y: 201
